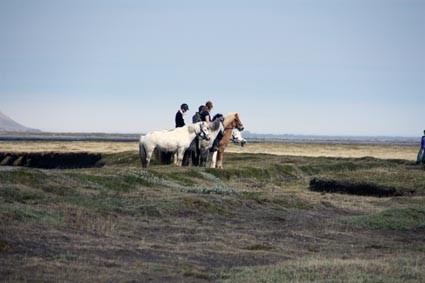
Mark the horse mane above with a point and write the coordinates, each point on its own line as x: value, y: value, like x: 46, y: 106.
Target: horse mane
x: 218, y: 115
x: 215, y: 124
x: 229, y: 118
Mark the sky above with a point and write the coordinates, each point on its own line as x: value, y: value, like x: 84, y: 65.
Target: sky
x: 329, y: 67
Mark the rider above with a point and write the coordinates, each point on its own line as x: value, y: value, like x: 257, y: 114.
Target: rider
x: 179, y: 115
x: 205, y: 113
x: 421, y: 153
x: 197, y: 117
x: 193, y: 151
x: 206, y: 116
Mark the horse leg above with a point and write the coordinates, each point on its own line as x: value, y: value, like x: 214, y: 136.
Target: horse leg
x: 149, y: 152
x: 175, y: 158
x: 194, y: 152
x: 213, y: 159
x: 204, y: 156
x: 220, y: 159
x: 163, y: 157
x: 195, y: 157
x: 187, y: 157
x: 142, y: 153
x: 166, y: 157
x: 180, y: 154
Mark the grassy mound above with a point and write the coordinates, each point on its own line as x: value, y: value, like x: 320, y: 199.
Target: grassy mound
x: 393, y: 219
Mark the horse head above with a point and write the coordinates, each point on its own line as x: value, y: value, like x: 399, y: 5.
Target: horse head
x: 237, y: 137
x: 204, y: 132
x: 234, y: 121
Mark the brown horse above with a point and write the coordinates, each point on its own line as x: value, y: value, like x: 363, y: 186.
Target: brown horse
x: 233, y: 122
x: 236, y: 138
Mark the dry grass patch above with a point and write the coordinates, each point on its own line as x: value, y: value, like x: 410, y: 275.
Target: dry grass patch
x: 291, y: 149
x: 68, y: 146
x: 396, y: 268
x: 329, y: 150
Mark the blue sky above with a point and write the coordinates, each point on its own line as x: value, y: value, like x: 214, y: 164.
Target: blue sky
x: 329, y: 67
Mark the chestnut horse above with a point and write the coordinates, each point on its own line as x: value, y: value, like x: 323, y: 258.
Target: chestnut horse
x: 231, y: 121
x: 235, y: 137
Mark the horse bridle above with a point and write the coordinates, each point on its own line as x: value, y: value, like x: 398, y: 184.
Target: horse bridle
x: 202, y: 133
x: 234, y: 140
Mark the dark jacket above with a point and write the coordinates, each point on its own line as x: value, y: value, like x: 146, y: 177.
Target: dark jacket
x: 204, y: 115
x: 179, y: 119
x: 196, y: 118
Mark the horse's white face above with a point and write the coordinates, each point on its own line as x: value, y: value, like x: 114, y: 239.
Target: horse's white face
x: 204, y: 132
x: 237, y: 137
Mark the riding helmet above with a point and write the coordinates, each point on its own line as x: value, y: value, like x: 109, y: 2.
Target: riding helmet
x: 184, y: 106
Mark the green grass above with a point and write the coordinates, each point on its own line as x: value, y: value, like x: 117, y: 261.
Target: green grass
x: 23, y: 213
x: 317, y: 269
x: 10, y: 193
x: 254, y: 221
x: 394, y: 219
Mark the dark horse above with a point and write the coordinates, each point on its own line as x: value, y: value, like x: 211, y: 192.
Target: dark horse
x: 193, y: 153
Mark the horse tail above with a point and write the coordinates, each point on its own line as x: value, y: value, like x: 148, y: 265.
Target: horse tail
x: 142, y: 152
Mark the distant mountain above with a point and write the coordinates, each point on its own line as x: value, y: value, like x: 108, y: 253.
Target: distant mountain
x: 8, y: 125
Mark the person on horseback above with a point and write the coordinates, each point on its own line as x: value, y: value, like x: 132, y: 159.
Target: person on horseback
x: 206, y: 116
x: 205, y: 113
x: 179, y: 115
x: 421, y: 153
x: 193, y: 152
x: 197, y: 117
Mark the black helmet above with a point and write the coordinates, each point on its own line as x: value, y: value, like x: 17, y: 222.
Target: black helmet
x: 184, y: 106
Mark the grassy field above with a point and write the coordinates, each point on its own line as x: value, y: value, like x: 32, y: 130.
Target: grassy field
x: 292, y: 149
x: 255, y: 221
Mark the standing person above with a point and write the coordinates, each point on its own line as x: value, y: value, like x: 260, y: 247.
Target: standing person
x: 192, y: 153
x: 421, y: 153
x: 205, y: 113
x: 179, y: 115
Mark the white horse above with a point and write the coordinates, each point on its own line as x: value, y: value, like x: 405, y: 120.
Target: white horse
x: 236, y: 138
x: 177, y: 140
x: 192, y: 154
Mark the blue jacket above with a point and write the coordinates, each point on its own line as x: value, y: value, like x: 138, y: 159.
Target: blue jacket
x: 423, y: 142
